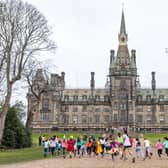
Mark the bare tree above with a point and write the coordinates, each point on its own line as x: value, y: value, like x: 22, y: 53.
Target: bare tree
x: 36, y: 88
x: 23, y: 33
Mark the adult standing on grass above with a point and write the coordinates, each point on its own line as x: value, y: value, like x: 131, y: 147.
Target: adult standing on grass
x: 165, y: 143
x: 40, y: 140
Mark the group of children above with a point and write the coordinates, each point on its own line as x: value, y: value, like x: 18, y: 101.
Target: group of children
x: 120, y: 145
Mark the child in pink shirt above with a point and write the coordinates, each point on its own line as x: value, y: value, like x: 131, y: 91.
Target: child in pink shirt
x: 159, y: 146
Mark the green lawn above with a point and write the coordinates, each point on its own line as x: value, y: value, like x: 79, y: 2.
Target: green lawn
x: 36, y: 152
x: 20, y: 155
x: 154, y: 137
x: 27, y: 154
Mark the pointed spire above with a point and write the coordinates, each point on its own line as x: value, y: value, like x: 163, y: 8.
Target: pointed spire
x: 122, y: 27
x: 122, y: 37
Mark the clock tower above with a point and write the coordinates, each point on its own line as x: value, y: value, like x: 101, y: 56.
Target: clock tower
x: 123, y: 74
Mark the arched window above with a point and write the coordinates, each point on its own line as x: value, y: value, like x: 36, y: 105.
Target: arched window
x: 75, y: 98
x: 84, y: 97
x: 148, y: 98
x: 97, y: 97
x: 139, y: 98
x: 106, y: 98
x: 66, y: 98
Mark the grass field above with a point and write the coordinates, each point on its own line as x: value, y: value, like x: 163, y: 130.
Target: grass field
x: 36, y: 152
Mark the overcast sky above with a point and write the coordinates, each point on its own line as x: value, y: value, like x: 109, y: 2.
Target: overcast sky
x: 85, y: 31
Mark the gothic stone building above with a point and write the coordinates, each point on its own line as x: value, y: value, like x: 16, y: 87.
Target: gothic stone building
x: 121, y: 103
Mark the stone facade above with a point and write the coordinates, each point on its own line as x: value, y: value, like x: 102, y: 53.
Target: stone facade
x: 122, y: 103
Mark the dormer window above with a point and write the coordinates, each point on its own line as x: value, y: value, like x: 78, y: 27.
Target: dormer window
x: 75, y: 98
x: 161, y: 97
x: 148, y: 98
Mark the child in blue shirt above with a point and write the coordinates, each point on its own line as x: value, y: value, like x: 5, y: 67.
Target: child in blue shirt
x: 165, y: 144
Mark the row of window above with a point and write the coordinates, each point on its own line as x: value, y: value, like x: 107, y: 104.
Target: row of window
x: 149, y: 98
x: 66, y: 108
x: 150, y: 108
x: 148, y: 119
x: 85, y: 98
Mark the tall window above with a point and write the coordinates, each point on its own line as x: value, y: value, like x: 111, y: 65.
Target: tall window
x: 122, y: 106
x: 84, y: 119
x: 97, y: 109
x: 148, y: 98
x: 123, y: 93
x: 115, y: 117
x: 97, y: 118
x: 106, y: 109
x: 130, y: 117
x: 139, y: 109
x: 45, y: 110
x: 161, y: 97
x: 66, y: 98
x: 106, y: 98
x: 139, y: 98
x: 84, y: 108
x: 97, y: 98
x: 149, y: 108
x: 106, y: 118
x: 65, y: 108
x: 75, y: 109
x: 115, y: 106
x: 75, y: 119
x: 149, y: 119
x: 75, y: 98
x: 139, y: 118
x: 162, y: 119
x: 65, y: 119
x: 161, y: 108
x: 84, y: 98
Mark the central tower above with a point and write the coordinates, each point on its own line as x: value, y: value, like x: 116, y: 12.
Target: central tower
x: 123, y: 74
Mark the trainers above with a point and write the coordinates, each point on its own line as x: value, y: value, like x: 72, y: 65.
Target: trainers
x: 133, y: 160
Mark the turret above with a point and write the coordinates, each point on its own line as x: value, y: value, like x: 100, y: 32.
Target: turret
x: 133, y: 58
x: 39, y: 76
x: 153, y: 83
x: 92, y: 83
x: 112, y: 57
x: 54, y: 80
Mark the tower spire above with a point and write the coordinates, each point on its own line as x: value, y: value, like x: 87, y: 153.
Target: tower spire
x: 122, y: 37
x: 122, y: 26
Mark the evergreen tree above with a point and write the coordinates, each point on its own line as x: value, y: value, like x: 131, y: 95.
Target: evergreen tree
x: 15, y: 134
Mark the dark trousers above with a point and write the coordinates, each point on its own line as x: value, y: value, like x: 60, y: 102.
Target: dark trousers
x: 166, y: 151
x: 159, y: 152
x: 64, y: 152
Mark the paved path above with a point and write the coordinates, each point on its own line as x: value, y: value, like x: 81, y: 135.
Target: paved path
x: 91, y: 162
